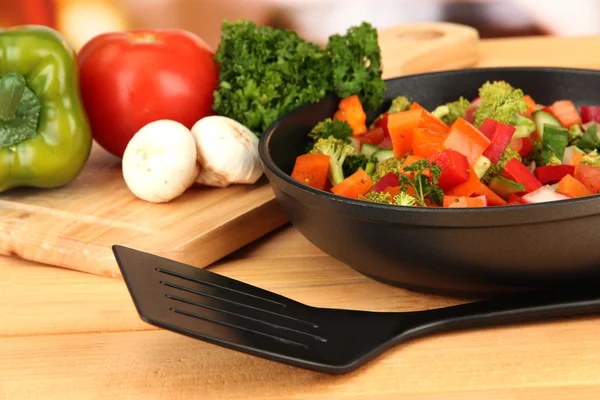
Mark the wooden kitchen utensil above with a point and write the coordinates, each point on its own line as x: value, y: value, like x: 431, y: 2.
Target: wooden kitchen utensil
x: 426, y: 47
x: 75, y: 226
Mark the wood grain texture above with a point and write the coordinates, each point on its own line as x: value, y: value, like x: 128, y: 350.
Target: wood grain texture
x: 522, y: 360
x: 76, y: 225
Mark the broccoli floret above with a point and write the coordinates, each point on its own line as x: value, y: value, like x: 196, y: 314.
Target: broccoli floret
x: 401, y: 199
x: 378, y: 197
x: 500, y: 102
x: 404, y: 199
x: 591, y: 159
x: 400, y: 103
x: 386, y: 166
x: 498, y: 168
x: 354, y: 163
x: 575, y: 132
x: 535, y: 153
x: 450, y: 112
x: 553, y: 160
x: 337, y: 128
x: 337, y: 150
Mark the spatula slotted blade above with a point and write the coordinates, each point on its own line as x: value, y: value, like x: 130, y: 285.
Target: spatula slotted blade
x: 223, y: 311
x: 207, y: 306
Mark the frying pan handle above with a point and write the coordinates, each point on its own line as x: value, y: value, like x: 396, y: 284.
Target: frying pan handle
x: 510, y: 310
x: 425, y: 47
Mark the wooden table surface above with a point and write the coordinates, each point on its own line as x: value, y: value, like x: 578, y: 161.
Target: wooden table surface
x: 66, y: 334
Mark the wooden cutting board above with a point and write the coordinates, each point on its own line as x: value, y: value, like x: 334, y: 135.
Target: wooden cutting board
x: 75, y: 226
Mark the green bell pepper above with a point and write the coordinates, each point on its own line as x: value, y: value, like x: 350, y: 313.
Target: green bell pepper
x: 45, y: 135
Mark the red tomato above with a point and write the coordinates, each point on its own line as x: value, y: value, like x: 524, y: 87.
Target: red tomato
x: 131, y: 78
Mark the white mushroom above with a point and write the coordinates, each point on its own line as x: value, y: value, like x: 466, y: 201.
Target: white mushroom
x: 227, y: 152
x: 159, y: 163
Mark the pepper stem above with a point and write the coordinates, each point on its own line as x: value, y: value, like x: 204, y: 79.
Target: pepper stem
x: 12, y: 87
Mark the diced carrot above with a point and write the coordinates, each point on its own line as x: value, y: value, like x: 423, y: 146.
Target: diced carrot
x: 357, y: 184
x: 575, y: 160
x: 589, y: 176
x: 492, y: 198
x: 429, y: 121
x: 392, y: 190
x: 427, y: 142
x: 466, y: 139
x: 448, y: 200
x: 566, y: 113
x: 467, y: 188
x: 401, y: 126
x: 475, y: 187
x: 462, y: 202
x: 351, y: 110
x: 571, y: 187
x: 530, y: 103
x: 312, y: 170
x: 411, y: 159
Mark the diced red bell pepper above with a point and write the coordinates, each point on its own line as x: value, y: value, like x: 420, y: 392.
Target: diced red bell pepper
x: 386, y: 143
x: 499, y: 141
x: 515, y: 198
x: 553, y: 173
x: 388, y: 180
x: 526, y: 148
x: 487, y: 127
x: 518, y: 172
x: 455, y: 168
x: 469, y: 114
x: 589, y: 113
x: 547, y: 110
x: 466, y: 139
x: 589, y: 176
x: 373, y: 136
x: 383, y: 123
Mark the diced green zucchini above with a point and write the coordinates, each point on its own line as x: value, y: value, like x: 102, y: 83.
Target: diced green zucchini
x: 382, y: 155
x: 542, y: 118
x: 505, y: 187
x: 524, y: 128
x: 370, y: 168
x: 554, y: 143
x: 481, y: 166
x: 368, y: 149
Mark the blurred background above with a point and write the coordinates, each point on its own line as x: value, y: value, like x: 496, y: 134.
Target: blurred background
x: 315, y: 20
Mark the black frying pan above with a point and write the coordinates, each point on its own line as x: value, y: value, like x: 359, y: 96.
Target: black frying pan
x: 454, y: 251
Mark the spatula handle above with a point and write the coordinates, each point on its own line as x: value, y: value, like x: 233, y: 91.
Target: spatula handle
x: 510, y: 310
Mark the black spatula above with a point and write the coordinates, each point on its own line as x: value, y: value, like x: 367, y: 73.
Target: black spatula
x: 211, y: 307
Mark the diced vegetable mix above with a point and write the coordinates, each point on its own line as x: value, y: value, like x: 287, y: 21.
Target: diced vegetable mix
x: 501, y: 148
